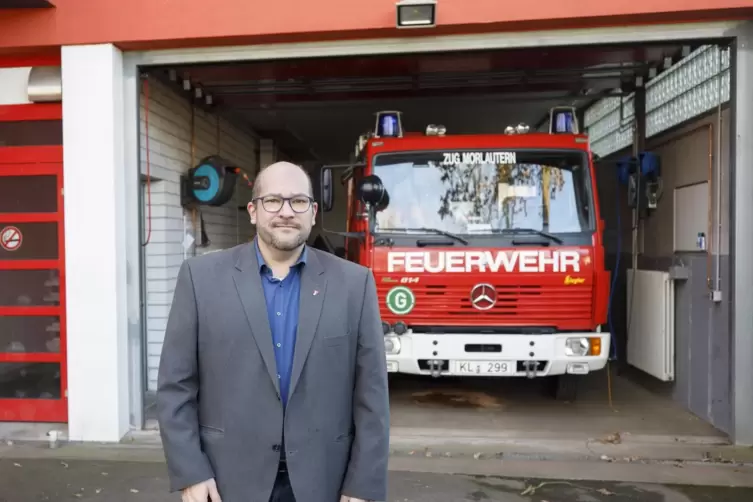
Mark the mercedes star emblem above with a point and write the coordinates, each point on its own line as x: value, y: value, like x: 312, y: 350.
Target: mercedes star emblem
x: 483, y: 296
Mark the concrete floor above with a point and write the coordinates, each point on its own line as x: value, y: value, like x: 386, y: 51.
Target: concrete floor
x: 521, y: 405
x: 511, y: 408
x: 515, y: 419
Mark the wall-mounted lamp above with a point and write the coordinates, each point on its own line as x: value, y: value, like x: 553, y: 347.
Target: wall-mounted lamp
x: 416, y: 13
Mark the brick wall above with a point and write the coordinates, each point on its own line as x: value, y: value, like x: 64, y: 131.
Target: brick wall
x: 169, y: 127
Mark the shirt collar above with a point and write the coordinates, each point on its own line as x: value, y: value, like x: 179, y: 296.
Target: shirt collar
x: 263, y: 264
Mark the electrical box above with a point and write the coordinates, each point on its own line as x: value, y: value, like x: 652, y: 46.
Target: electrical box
x: 643, y: 178
x: 691, y: 214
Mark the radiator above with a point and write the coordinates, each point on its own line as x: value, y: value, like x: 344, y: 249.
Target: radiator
x: 651, y: 323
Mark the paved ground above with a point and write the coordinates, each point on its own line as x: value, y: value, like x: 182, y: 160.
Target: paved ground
x: 453, y: 441
x: 33, y: 480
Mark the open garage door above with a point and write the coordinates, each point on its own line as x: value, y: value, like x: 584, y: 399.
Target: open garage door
x: 314, y: 111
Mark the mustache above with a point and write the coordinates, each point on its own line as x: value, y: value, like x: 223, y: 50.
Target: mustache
x: 289, y: 224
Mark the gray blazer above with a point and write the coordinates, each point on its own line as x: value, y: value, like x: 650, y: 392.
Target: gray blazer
x: 218, y: 400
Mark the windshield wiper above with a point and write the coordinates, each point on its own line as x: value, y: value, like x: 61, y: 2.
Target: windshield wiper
x: 528, y: 231
x: 428, y: 231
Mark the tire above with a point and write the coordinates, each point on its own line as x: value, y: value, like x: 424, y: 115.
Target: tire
x: 564, y: 387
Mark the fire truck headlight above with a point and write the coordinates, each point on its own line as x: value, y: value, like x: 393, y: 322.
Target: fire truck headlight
x: 577, y: 347
x: 386, y: 328
x: 400, y: 328
x: 391, y: 345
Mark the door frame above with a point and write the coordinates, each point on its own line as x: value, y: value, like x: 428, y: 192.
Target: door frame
x: 25, y: 161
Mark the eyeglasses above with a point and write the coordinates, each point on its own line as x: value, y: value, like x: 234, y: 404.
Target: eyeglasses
x: 274, y: 203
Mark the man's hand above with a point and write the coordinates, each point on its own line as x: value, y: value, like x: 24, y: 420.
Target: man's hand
x: 345, y: 498
x: 201, y: 492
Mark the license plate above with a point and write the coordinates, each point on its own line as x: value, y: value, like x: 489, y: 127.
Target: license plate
x: 482, y: 367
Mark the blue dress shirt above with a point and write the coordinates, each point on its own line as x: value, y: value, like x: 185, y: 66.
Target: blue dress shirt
x: 283, y: 301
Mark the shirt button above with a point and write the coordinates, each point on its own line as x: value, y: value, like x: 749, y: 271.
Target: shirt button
x: 279, y: 313
x: 278, y: 376
x: 279, y: 345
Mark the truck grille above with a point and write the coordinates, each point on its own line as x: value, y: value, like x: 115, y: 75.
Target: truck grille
x: 527, y: 304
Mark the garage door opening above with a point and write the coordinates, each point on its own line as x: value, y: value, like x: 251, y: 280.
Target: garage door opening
x: 315, y: 111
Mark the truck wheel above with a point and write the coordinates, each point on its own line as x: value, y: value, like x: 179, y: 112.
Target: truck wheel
x: 564, y: 387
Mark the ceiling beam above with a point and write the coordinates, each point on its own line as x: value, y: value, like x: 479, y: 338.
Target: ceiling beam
x: 496, y: 93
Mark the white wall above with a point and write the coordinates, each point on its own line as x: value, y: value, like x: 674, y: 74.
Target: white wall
x: 100, y: 227
x: 169, y: 126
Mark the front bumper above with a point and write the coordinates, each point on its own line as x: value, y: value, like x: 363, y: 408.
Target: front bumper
x: 509, y: 355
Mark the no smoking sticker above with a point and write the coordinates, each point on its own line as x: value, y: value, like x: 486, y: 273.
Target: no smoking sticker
x: 11, y: 238
x: 400, y: 300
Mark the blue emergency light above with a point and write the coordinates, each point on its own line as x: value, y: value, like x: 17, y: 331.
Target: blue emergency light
x: 388, y: 125
x: 563, y: 120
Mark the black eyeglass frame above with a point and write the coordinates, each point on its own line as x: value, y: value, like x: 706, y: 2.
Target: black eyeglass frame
x: 289, y: 200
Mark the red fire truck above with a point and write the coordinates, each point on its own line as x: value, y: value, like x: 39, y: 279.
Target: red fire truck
x: 486, y: 249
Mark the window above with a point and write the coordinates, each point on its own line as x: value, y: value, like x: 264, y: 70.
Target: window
x: 487, y: 191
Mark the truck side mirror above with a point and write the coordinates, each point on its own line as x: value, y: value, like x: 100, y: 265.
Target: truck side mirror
x: 327, y: 190
x: 371, y: 191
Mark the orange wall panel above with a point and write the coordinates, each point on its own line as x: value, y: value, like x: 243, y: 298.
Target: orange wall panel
x: 164, y: 23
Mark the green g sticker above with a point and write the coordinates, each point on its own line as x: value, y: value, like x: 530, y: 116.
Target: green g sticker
x: 400, y: 300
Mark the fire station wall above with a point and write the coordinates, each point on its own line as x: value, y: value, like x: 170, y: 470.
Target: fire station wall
x: 169, y: 129
x: 144, y: 23
x: 702, y: 330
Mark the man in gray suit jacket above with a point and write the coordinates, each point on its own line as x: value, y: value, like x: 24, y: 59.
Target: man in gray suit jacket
x: 273, y: 380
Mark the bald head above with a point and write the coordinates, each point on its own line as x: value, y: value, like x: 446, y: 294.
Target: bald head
x: 282, y: 207
x: 272, y: 176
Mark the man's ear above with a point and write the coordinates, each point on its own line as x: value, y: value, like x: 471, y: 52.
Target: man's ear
x: 251, y: 208
x: 314, y: 210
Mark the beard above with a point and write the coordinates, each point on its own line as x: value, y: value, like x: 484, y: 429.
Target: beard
x: 288, y: 239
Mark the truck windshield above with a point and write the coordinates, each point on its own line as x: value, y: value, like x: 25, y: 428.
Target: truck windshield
x: 486, y: 191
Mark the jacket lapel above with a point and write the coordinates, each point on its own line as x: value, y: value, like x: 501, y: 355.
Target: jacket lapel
x: 313, y: 289
x: 248, y: 283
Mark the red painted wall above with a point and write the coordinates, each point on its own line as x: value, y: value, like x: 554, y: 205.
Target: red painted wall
x: 168, y: 23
